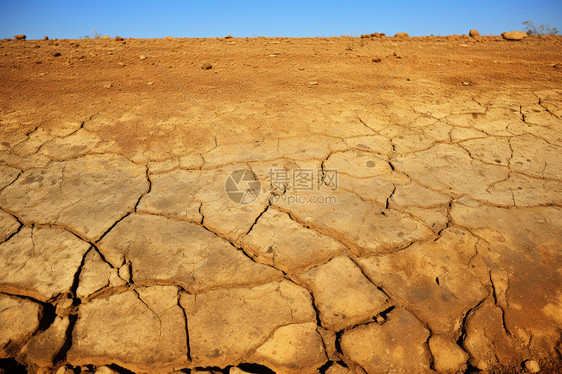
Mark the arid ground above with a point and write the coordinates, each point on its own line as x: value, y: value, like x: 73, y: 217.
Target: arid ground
x: 298, y: 206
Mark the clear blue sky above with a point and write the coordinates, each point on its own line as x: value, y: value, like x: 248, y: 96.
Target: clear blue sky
x: 201, y: 18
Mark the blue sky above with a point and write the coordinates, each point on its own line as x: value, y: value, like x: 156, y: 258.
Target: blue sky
x: 200, y: 18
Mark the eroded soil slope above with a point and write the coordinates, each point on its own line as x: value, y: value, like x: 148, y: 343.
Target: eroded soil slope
x: 298, y: 206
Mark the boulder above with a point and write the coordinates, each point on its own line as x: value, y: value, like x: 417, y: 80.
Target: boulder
x: 474, y: 33
x: 20, y: 37
x: 402, y: 35
x: 514, y: 35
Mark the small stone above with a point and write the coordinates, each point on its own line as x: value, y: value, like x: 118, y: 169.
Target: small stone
x: 473, y: 33
x: 107, y: 85
x: 119, y: 39
x: 532, y: 366
x: 149, y: 83
x: 301, y: 68
x: 56, y: 54
x: 313, y: 83
x: 121, y: 63
x: 402, y: 35
x: 377, y: 59
x: 206, y: 66
x: 557, y: 66
x: 105, y: 370
x: 465, y: 83
x: 20, y: 37
x: 514, y: 35
x: 142, y: 57
x: 41, y: 74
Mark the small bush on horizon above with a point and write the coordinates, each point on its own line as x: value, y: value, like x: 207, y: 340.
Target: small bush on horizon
x: 545, y: 29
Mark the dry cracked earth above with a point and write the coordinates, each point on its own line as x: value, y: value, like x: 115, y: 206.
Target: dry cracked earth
x: 430, y: 240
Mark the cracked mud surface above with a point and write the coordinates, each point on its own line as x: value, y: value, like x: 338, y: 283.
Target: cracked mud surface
x: 439, y: 250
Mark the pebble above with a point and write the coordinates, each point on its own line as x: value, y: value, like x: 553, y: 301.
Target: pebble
x: 377, y: 59
x: 56, y: 54
x: 532, y: 366
x: 107, y: 85
x: 465, y: 83
x: 142, y: 57
x: 206, y: 66
x: 313, y: 83
x: 557, y: 66
x: 149, y: 83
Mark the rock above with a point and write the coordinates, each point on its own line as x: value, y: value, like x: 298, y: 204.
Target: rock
x: 343, y: 296
x: 557, y: 66
x: 448, y: 356
x: 107, y: 85
x: 56, y: 54
x: 19, y: 319
x: 40, y: 262
x: 466, y: 83
x: 313, y: 83
x: 398, y: 345
x: 365, y: 36
x: 532, y: 366
x: 88, y: 194
x: 206, y: 66
x: 228, y: 37
x: 149, y: 83
x: 514, y: 35
x: 401, y: 35
x: 473, y: 33
x: 96, y: 274
x: 142, y: 57
x: 338, y: 369
x: 277, y: 240
x: 376, y: 59
x: 119, y: 39
x: 171, y: 251
x: 106, y: 37
x: 46, y: 37
x: 375, y: 35
x: 43, y: 347
x: 105, y: 370
x: 20, y: 37
x: 226, y: 324
x: 144, y: 330
x: 295, y: 348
